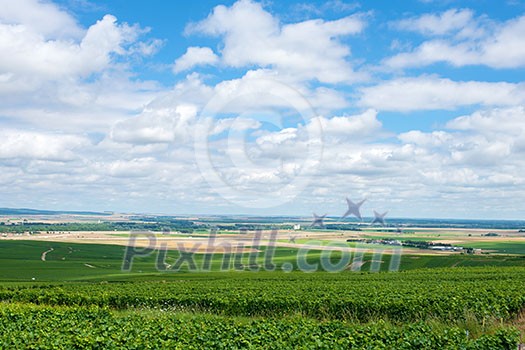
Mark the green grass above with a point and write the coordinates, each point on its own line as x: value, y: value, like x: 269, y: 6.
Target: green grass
x: 80, y: 298
x: 500, y: 247
x: 21, y: 261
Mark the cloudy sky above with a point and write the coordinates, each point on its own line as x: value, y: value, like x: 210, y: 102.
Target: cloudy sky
x: 223, y: 107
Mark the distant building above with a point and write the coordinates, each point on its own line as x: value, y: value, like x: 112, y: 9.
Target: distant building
x: 297, y: 227
x: 491, y: 234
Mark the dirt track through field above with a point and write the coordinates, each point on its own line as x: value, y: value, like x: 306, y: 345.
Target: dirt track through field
x: 44, y: 254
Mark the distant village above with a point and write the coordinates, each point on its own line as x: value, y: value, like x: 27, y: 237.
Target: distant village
x: 416, y: 244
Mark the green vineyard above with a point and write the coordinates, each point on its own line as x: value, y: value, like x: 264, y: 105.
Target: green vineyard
x: 35, y: 327
x: 461, y: 308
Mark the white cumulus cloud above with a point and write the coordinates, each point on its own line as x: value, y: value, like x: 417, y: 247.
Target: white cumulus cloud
x: 305, y: 50
x: 433, y: 93
x: 21, y: 144
x: 499, y: 45
x: 195, y: 56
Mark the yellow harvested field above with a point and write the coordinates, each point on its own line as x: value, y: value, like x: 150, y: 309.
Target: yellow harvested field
x: 243, y: 242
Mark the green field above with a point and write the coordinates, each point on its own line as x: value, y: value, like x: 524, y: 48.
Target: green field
x: 21, y: 261
x: 467, y: 308
x: 80, y: 298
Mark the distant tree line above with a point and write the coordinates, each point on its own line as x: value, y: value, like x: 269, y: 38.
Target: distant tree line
x: 183, y: 226
x: 252, y: 227
x: 346, y: 227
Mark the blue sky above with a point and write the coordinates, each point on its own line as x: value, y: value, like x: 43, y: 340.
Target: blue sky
x: 264, y: 108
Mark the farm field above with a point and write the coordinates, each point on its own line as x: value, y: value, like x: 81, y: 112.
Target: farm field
x: 472, y: 308
x: 98, y: 255
x: 68, y: 290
